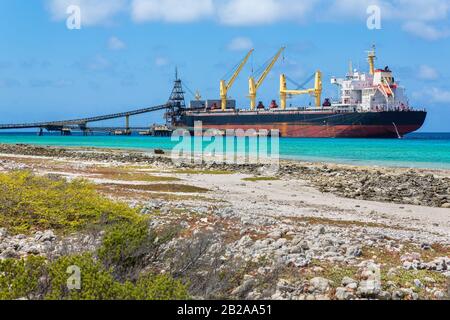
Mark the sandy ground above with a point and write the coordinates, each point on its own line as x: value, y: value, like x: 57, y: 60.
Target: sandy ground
x: 297, y: 198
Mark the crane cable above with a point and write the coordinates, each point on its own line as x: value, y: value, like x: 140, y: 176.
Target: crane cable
x: 301, y: 86
x: 233, y: 70
x: 263, y: 67
x: 188, y: 89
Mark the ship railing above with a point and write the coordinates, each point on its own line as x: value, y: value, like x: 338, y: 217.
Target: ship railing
x: 396, y: 109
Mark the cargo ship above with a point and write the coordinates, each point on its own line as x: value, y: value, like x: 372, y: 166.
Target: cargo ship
x: 371, y: 105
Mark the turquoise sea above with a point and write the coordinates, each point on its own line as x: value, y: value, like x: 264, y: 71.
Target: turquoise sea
x: 422, y: 150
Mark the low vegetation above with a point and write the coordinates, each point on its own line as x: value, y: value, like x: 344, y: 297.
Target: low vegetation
x: 210, y: 172
x: 405, y: 279
x: 29, y: 203
x: 121, y: 268
x: 142, y: 177
x: 36, y: 278
x: 117, y: 191
x: 114, y: 272
x: 338, y: 223
x: 256, y: 179
x: 164, y: 187
x: 128, y: 248
x: 333, y: 271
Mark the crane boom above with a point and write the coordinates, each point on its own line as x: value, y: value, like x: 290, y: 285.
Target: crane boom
x: 254, y: 86
x: 226, y: 86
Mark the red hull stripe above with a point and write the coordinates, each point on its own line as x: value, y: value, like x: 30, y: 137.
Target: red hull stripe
x: 338, y: 131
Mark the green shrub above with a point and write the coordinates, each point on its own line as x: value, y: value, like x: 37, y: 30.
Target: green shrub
x: 131, y: 246
x: 20, y: 278
x: 34, y: 278
x: 159, y: 287
x: 125, y: 245
x: 99, y: 284
x: 96, y: 283
x: 29, y: 203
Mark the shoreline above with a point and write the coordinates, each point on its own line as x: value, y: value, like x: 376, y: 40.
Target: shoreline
x: 376, y: 164
x: 401, y: 155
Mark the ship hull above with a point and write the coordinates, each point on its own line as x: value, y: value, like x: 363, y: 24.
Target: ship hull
x: 392, y: 124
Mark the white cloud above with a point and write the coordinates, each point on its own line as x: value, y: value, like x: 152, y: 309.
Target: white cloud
x: 427, y: 73
x: 115, y: 43
x: 171, y: 10
x: 240, y: 44
x: 426, y: 31
x: 422, y: 10
x: 417, y: 17
x: 426, y: 19
x: 356, y: 9
x: 438, y: 95
x: 93, y: 12
x: 97, y: 63
x: 261, y: 12
x: 405, y: 10
x: 161, y: 61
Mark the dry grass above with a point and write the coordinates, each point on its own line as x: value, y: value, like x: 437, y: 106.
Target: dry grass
x: 392, y: 258
x: 256, y: 179
x: 174, y: 188
x: 121, y: 192
x: 331, y: 271
x: 339, y: 223
x: 210, y: 172
x: 405, y: 278
x: 140, y: 177
x: 126, y: 174
x: 177, y: 197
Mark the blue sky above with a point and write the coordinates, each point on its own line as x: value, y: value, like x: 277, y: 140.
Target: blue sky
x: 124, y: 56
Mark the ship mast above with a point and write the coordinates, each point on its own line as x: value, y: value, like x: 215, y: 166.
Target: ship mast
x: 371, y: 59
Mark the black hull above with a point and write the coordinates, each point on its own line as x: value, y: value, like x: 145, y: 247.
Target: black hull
x: 390, y: 124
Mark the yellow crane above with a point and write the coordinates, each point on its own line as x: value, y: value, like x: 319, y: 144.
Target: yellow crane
x: 316, y: 92
x: 226, y: 86
x: 254, y: 86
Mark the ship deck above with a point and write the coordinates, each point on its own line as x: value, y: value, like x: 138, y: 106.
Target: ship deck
x: 328, y: 111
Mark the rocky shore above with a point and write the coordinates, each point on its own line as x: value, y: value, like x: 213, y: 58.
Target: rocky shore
x: 403, y: 186
x: 312, y: 231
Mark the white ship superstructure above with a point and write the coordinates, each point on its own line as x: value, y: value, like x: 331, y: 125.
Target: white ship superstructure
x: 371, y: 92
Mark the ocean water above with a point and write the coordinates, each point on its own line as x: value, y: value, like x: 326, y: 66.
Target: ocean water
x: 420, y: 150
